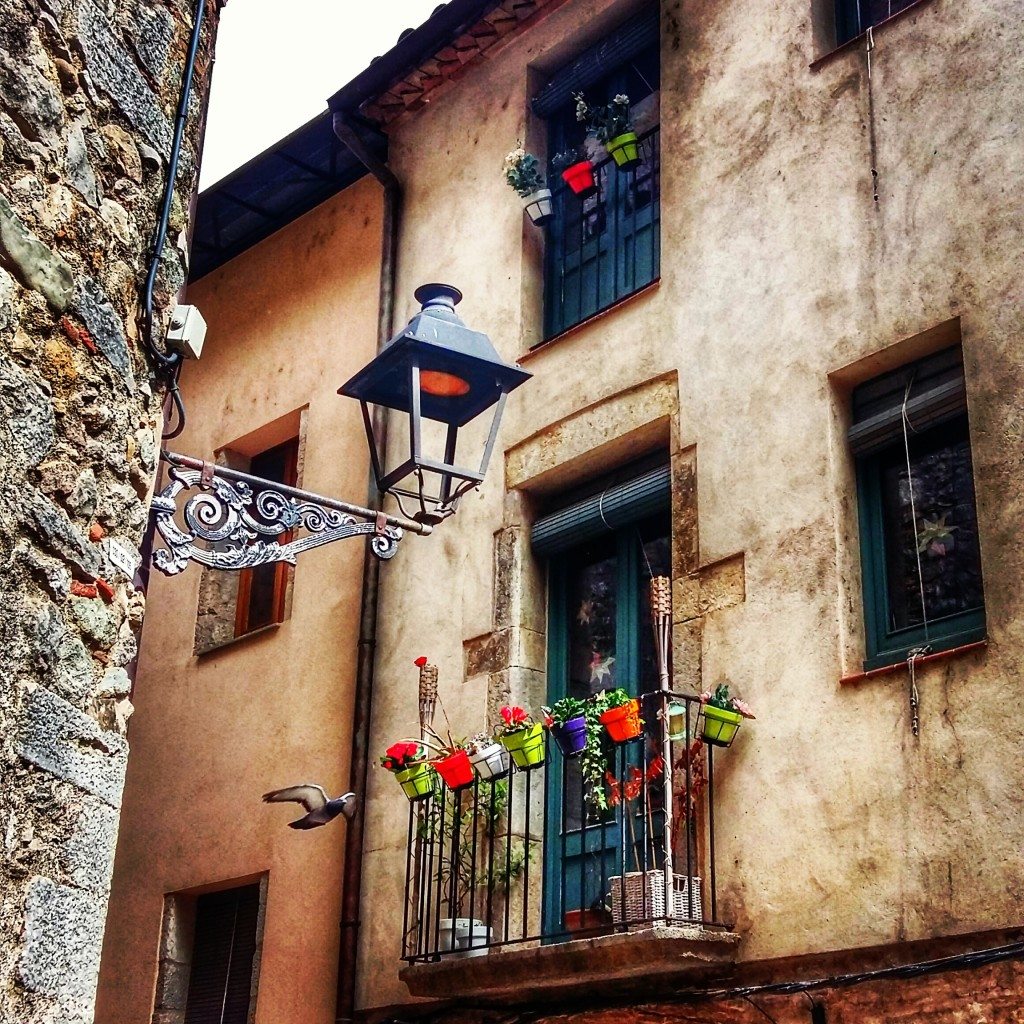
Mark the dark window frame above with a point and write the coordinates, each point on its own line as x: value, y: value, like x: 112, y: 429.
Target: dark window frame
x: 855, y: 17
x: 884, y: 644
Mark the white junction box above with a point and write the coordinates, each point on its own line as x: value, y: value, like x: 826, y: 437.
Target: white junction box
x: 187, y: 331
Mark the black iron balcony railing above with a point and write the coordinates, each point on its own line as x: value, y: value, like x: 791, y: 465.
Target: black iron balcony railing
x: 601, y: 249
x: 533, y: 857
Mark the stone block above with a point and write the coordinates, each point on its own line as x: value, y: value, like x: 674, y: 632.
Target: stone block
x: 722, y: 584
x: 486, y: 653
x: 687, y: 638
x: 60, y: 955
x: 67, y: 664
x: 78, y: 170
x: 103, y: 324
x: 152, y: 35
x: 27, y: 88
x: 123, y: 151
x: 88, y: 856
x: 26, y: 417
x: 685, y: 598
x: 113, y: 70
x: 38, y: 266
x: 55, y: 736
x: 61, y: 535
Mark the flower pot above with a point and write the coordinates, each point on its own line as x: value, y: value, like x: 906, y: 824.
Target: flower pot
x: 476, y: 939
x: 720, y: 726
x: 538, y: 206
x: 492, y: 762
x: 526, y: 746
x: 596, y: 922
x: 455, y: 770
x: 623, y: 723
x: 571, y: 737
x: 624, y: 151
x: 450, y: 931
x: 417, y: 781
x: 580, y: 178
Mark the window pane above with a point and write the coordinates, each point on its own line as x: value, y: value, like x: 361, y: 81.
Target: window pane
x: 878, y: 10
x: 945, y: 535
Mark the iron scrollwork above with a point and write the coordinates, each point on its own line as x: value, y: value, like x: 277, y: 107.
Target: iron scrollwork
x: 238, y: 527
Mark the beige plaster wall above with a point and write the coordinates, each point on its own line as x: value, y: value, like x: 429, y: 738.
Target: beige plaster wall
x: 836, y: 828
x: 288, y: 322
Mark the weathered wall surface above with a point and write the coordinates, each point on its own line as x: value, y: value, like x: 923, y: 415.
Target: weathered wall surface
x: 836, y: 828
x: 289, y: 321
x: 87, y: 94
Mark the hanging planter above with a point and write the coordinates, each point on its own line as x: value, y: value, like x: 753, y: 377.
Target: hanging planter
x: 571, y: 736
x: 490, y: 760
x: 538, y: 206
x: 580, y: 178
x: 521, y: 737
x: 522, y: 172
x: 622, y: 719
x: 624, y: 151
x: 455, y: 770
x: 417, y: 781
x: 722, y: 716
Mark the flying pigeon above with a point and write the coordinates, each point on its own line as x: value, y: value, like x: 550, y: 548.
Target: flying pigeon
x: 314, y: 799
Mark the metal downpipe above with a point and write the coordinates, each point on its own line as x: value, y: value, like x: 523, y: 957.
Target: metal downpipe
x: 348, y: 951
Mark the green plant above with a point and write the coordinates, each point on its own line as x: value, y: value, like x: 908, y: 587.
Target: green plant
x: 568, y: 157
x: 607, y: 121
x: 522, y: 172
x: 720, y: 699
x: 617, y: 698
x: 564, y: 709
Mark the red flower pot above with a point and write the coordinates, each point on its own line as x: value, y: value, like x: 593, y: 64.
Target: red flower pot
x: 623, y: 723
x: 580, y: 178
x: 455, y: 770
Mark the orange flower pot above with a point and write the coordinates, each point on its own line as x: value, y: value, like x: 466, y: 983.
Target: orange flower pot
x: 623, y: 723
x: 455, y: 770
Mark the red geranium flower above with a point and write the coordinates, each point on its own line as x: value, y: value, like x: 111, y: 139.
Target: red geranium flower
x: 420, y: 661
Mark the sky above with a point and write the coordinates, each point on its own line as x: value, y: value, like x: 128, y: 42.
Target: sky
x: 277, y: 61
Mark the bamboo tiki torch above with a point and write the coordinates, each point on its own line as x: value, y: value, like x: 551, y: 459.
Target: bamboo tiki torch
x: 661, y: 619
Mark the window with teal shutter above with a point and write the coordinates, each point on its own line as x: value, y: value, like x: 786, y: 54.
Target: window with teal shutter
x: 920, y: 555
x: 604, y: 248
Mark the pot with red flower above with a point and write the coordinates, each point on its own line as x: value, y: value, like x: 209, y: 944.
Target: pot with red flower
x: 621, y: 718
x: 490, y: 760
x: 407, y: 761
x: 577, y: 171
x: 567, y: 720
x: 721, y: 716
x: 521, y: 737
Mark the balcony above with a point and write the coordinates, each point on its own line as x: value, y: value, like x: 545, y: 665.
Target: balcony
x: 524, y: 883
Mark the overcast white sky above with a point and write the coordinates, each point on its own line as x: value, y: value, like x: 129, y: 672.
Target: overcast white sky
x: 279, y: 60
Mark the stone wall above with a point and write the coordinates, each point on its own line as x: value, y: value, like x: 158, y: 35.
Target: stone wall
x: 87, y: 99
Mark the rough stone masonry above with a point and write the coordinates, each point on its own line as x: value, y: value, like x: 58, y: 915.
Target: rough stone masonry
x: 88, y: 92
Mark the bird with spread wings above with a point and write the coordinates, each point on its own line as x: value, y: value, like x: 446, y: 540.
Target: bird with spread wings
x: 319, y: 807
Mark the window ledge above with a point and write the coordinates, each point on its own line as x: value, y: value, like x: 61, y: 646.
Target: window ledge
x: 854, y: 43
x: 511, y: 974
x: 555, y: 338
x: 236, y: 640
x: 901, y: 666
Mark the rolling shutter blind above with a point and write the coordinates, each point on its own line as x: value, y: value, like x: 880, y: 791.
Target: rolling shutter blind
x: 629, y: 39
x: 937, y: 394
x: 220, y: 982
x: 617, y: 506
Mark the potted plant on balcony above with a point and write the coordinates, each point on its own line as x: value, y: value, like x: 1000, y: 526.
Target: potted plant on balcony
x: 722, y: 716
x: 522, y: 172
x: 407, y: 761
x: 521, y: 737
x: 490, y: 760
x: 567, y: 720
x: 577, y: 171
x: 610, y: 123
x: 452, y: 764
x: 621, y: 716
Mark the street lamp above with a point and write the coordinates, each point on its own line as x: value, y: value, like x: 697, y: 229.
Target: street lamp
x: 436, y: 369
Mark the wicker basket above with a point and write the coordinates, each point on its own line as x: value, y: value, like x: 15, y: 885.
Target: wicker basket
x: 630, y: 890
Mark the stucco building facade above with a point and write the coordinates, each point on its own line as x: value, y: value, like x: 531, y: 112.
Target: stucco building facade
x: 832, y: 225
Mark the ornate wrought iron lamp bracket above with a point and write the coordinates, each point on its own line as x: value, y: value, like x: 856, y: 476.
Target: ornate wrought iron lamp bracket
x: 236, y: 520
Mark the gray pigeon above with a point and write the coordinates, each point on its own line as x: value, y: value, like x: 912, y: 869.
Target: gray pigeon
x: 314, y: 799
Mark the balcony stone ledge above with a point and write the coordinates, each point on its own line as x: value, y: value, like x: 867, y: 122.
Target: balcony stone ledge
x: 509, y: 974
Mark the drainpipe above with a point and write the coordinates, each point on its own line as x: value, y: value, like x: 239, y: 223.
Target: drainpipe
x: 363, y: 701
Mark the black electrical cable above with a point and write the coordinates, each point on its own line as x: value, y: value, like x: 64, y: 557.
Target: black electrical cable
x: 168, y: 364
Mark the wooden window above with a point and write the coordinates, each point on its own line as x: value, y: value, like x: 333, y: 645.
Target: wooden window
x: 854, y: 17
x: 918, y: 519
x: 604, y: 248
x: 226, y: 936
x: 262, y: 590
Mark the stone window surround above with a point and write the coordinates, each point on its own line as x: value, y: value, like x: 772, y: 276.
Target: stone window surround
x: 219, y: 589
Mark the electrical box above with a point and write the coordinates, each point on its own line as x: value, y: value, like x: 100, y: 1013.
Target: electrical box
x: 187, y: 331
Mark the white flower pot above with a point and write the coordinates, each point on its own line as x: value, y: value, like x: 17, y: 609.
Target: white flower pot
x: 491, y: 763
x: 538, y: 206
x: 462, y: 937
x: 476, y: 939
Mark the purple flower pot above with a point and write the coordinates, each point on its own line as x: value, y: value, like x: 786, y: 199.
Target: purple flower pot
x: 571, y: 737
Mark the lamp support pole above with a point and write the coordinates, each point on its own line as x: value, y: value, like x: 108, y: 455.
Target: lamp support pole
x: 219, y: 516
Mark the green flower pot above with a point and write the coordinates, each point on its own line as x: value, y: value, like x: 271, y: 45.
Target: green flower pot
x: 526, y: 746
x: 624, y: 150
x: 720, y: 726
x: 416, y: 781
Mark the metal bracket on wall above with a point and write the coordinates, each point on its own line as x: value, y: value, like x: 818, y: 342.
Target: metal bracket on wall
x: 237, y: 518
